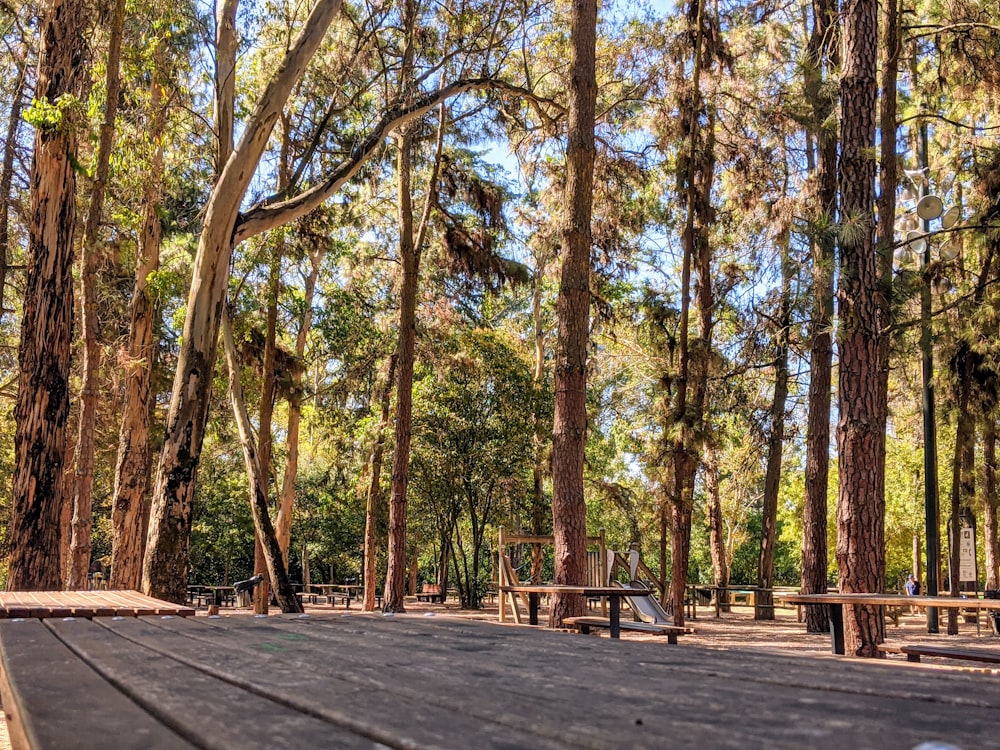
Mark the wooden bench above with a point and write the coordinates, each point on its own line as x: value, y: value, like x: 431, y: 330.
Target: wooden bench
x: 586, y: 623
x: 914, y: 651
x: 431, y: 592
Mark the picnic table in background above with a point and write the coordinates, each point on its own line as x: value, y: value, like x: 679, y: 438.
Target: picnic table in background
x: 836, y: 603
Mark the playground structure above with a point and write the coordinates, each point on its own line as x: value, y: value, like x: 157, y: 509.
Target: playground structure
x: 604, y: 567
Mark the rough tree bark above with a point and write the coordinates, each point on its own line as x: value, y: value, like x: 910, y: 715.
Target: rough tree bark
x: 47, y: 320
x: 130, y: 503
x: 569, y: 432
x: 716, y: 531
x: 83, y: 492
x: 764, y: 602
x: 861, y: 335
x: 822, y: 60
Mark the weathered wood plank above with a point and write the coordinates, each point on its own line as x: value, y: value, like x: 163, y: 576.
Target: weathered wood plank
x: 531, y: 679
x: 301, y: 672
x: 85, y: 604
x: 208, y: 711
x: 53, y: 700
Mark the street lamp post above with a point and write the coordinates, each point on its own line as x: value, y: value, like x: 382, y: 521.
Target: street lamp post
x: 928, y: 208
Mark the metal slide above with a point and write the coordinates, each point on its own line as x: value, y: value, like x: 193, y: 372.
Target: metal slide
x: 646, y: 608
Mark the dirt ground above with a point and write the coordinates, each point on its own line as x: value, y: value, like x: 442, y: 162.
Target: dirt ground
x: 734, y: 630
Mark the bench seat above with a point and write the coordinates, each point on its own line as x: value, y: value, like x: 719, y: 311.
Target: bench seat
x: 586, y: 623
x: 914, y: 651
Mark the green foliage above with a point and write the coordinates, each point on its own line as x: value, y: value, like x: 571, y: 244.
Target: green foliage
x: 54, y: 117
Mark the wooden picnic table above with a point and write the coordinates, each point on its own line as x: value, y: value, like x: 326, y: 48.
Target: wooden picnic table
x: 615, y: 595
x: 362, y: 681
x: 103, y: 603
x: 836, y: 603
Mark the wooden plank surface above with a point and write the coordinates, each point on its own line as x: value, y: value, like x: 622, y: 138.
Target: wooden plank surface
x: 424, y: 682
x: 941, y: 602
x: 102, y: 603
x: 53, y: 699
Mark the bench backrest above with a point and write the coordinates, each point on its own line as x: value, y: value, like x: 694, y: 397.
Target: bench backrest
x: 431, y: 588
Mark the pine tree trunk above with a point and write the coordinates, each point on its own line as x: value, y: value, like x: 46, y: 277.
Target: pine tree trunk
x: 815, y: 563
x: 764, y: 601
x: 130, y: 504
x: 83, y: 496
x: 569, y: 433
x: 863, y: 322
x: 47, y: 318
x: 539, y: 506
x: 962, y: 479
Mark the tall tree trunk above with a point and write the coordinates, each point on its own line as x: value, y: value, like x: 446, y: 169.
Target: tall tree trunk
x: 7, y: 172
x: 716, y: 531
x: 276, y: 569
x: 47, y: 320
x: 539, y: 506
x: 130, y: 504
x: 165, y: 566
x: 863, y: 319
x: 569, y: 432
x: 373, y: 507
x: 695, y: 356
x: 83, y: 494
x: 764, y: 602
x: 264, y: 439
x: 822, y: 57
x: 284, y: 520
x: 991, y: 504
x: 395, y: 582
x: 962, y: 479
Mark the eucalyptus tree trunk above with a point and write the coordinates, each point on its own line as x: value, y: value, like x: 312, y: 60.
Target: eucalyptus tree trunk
x: 83, y: 492
x: 277, y: 573
x: 130, y: 503
x: 47, y: 319
x: 764, y: 601
x: 822, y: 60
x: 264, y: 438
x: 7, y: 172
x: 373, y: 506
x: 861, y: 336
x: 283, y: 524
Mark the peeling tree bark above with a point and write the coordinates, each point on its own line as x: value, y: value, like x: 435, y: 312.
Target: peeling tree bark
x: 46, y: 327
x: 130, y: 504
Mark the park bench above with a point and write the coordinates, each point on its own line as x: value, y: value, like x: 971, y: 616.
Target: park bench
x: 586, y: 623
x: 914, y: 651
x: 431, y: 592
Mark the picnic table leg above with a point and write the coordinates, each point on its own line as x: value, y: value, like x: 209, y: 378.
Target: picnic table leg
x: 616, y: 612
x: 837, y: 628
x: 533, y: 608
